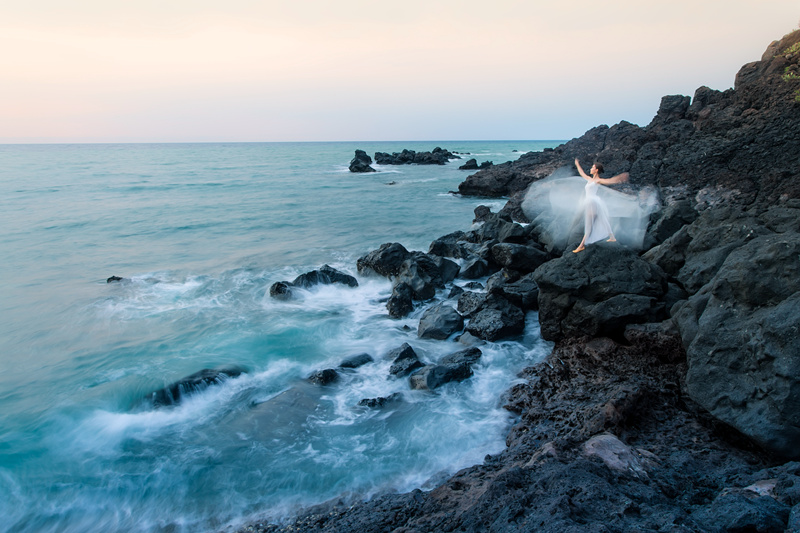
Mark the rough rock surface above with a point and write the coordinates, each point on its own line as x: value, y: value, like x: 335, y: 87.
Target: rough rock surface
x: 437, y: 156
x: 361, y: 162
x: 175, y: 392
x: 598, y: 292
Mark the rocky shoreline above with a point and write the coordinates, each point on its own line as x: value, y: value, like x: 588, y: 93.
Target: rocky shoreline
x: 671, y: 401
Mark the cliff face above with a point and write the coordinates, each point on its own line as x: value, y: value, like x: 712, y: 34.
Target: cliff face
x: 739, y: 146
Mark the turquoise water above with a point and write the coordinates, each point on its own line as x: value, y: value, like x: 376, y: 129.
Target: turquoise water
x: 200, y: 232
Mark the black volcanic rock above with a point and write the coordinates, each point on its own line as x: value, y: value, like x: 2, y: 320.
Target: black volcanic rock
x: 175, y: 392
x: 437, y: 156
x: 361, y: 162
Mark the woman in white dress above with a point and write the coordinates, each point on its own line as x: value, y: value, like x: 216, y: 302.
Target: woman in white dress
x: 597, y: 225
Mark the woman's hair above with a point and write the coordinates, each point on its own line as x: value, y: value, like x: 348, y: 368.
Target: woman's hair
x: 599, y: 167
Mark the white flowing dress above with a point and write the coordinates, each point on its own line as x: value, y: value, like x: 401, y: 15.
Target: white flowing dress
x: 596, y: 225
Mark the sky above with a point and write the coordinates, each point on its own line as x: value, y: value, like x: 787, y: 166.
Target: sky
x: 361, y: 70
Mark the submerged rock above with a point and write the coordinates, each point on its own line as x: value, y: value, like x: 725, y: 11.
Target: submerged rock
x: 356, y: 361
x: 324, y: 377
x: 327, y: 275
x: 174, y: 393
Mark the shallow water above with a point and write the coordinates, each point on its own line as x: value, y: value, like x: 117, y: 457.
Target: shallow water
x: 200, y: 232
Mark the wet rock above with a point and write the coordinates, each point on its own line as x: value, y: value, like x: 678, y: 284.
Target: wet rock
x: 492, y: 324
x: 404, y: 361
x: 474, y: 268
x: 324, y: 276
x: 439, y: 322
x: 381, y: 401
x: 449, y: 246
x: 468, y: 356
x: 281, y: 290
x: 356, y: 361
x: 324, y: 377
x: 521, y: 291
x: 361, y: 162
x: 114, y: 279
x: 384, y: 261
x: 192, y: 384
x: 431, y: 377
x: 401, y: 301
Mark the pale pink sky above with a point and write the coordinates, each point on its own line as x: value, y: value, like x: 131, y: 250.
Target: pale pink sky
x: 325, y: 70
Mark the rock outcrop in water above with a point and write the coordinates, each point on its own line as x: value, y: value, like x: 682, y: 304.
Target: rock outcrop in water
x: 327, y: 275
x: 437, y: 156
x: 361, y: 162
x: 175, y: 392
x: 671, y: 401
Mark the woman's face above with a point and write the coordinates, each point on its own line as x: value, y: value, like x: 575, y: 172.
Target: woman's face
x: 593, y: 170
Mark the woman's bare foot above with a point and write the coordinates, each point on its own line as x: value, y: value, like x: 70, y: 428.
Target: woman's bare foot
x: 612, y: 239
x: 578, y: 249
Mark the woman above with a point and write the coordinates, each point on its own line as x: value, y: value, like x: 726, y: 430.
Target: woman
x: 597, y: 225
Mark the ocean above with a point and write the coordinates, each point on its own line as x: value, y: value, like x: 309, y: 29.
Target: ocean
x: 199, y: 232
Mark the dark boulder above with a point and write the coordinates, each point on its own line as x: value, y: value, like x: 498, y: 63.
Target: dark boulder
x: 401, y: 301
x: 114, y: 279
x: 740, y: 333
x: 361, y: 162
x: 281, y: 290
x: 496, y: 319
x: 385, y: 261
x: 174, y: 393
x: 597, y: 292
x: 474, y: 268
x: 519, y: 257
x: 356, y: 361
x: 470, y: 302
x: 449, y: 245
x: 431, y: 377
x: 521, y: 291
x: 324, y: 377
x: 468, y: 356
x: 439, y: 322
x: 404, y: 361
x: 421, y: 272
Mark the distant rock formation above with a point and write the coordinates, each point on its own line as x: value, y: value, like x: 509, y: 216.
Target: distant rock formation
x: 361, y: 162
x: 437, y: 156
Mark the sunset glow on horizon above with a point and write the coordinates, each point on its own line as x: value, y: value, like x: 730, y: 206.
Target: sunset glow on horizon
x: 91, y: 71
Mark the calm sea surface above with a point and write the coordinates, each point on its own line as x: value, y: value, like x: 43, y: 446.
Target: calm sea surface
x: 200, y: 232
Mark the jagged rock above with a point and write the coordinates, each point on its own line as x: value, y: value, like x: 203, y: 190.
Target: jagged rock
x: 114, y: 279
x: 474, y: 268
x: 400, y: 303
x: 385, y: 261
x: 439, y: 322
x: 421, y: 272
x: 361, y: 162
x: 404, y: 361
x: 470, y: 302
x: 324, y: 377
x: 521, y: 291
x: 356, y: 361
x: 449, y: 246
x: 598, y: 292
x: 494, y: 317
x: 519, y: 257
x: 175, y: 392
x: 740, y: 333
